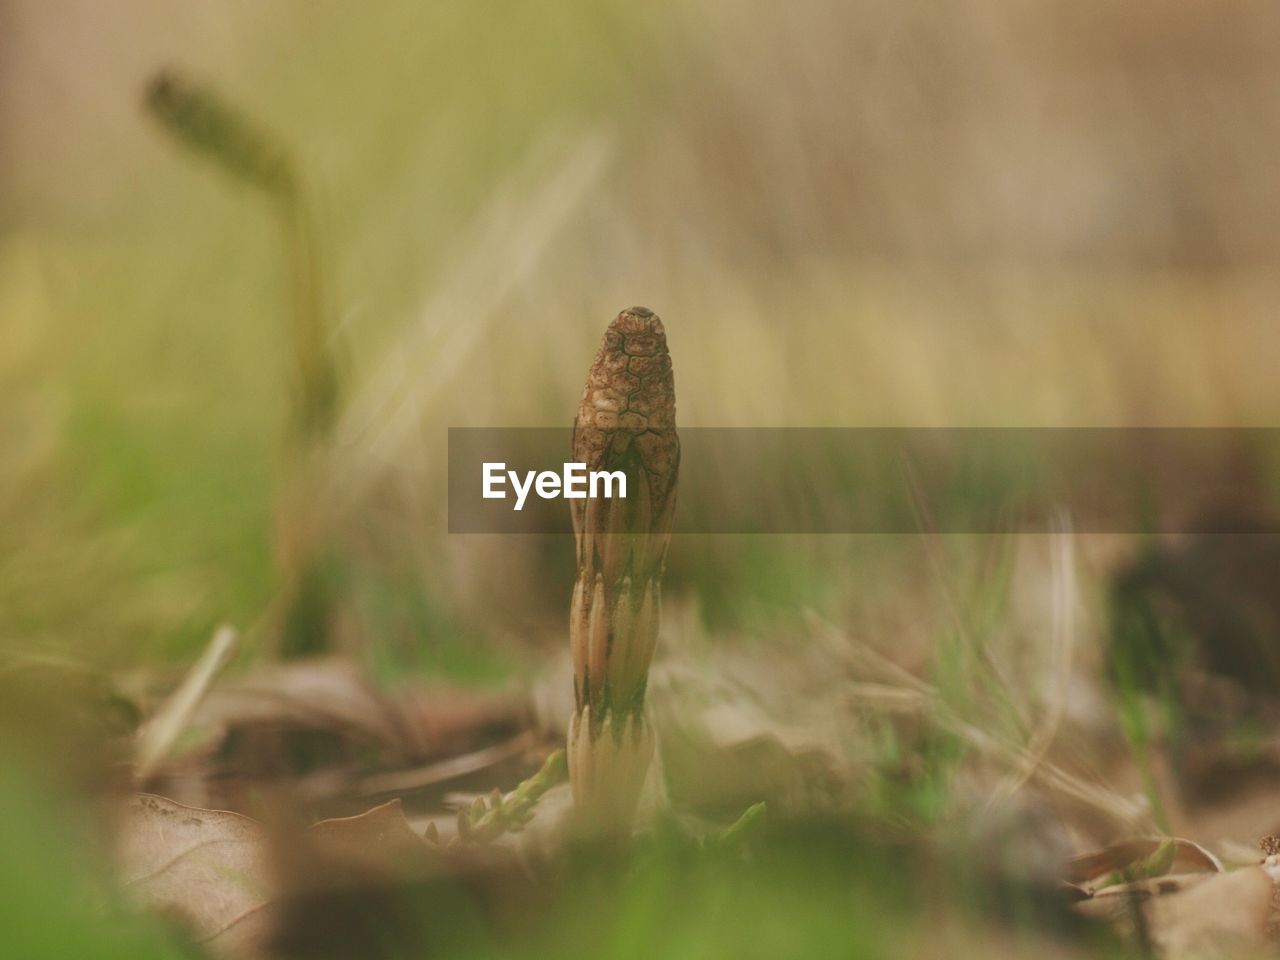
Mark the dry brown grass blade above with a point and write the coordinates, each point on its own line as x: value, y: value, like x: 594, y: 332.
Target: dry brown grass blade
x: 1063, y: 649
x: 432, y: 775
x: 931, y: 541
x: 904, y: 690
x: 158, y: 735
x: 508, y: 241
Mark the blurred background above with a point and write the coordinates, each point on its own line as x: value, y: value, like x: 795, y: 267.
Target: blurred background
x: 848, y: 214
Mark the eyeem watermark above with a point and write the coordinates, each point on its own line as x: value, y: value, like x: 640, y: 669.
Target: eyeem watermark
x: 888, y: 480
x: 574, y: 482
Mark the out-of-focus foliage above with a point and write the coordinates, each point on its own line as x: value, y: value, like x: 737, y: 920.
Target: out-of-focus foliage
x: 867, y: 213
x: 848, y: 214
x: 50, y: 903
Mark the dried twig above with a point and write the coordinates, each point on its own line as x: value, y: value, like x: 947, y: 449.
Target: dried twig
x: 420, y: 778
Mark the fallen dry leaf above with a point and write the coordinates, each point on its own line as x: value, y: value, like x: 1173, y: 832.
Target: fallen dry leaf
x: 1138, y: 859
x: 221, y: 875
x: 374, y: 846
x: 1231, y: 908
x: 1194, y: 915
x: 1174, y: 896
x: 314, y: 695
x: 321, y: 728
x: 208, y: 869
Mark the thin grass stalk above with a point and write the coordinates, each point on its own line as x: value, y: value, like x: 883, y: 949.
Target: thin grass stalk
x: 625, y: 422
x: 204, y: 123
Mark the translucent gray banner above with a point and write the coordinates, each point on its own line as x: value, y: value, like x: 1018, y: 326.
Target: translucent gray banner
x: 891, y: 480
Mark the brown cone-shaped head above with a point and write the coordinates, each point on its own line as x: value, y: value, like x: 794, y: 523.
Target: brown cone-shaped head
x: 626, y: 421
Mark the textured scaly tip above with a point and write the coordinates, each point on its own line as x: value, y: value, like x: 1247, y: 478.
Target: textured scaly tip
x: 627, y: 421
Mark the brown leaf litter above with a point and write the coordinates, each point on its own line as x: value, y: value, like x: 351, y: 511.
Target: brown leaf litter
x: 1175, y: 897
